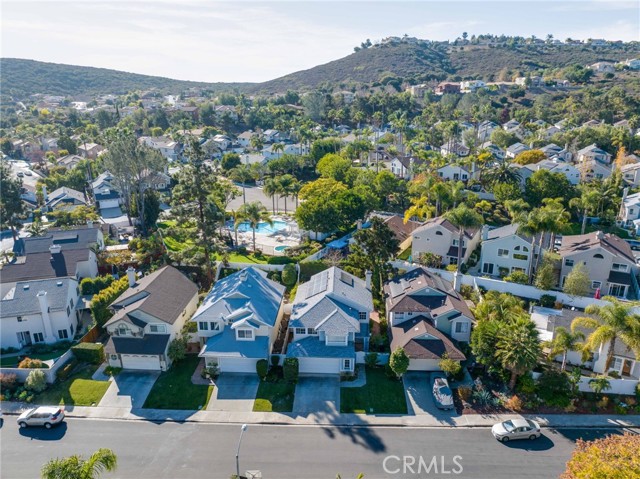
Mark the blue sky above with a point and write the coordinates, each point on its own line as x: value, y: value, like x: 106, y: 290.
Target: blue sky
x: 257, y: 41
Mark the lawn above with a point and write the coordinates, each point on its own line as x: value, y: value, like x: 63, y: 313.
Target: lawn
x: 274, y: 395
x: 78, y: 390
x: 12, y: 361
x: 575, y: 228
x: 174, y: 389
x: 405, y: 254
x: 380, y: 395
x: 246, y: 258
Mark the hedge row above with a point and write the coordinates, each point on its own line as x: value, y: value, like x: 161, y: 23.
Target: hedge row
x: 89, y: 352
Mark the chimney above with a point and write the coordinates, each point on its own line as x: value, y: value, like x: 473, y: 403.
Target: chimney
x: 131, y: 274
x: 55, y: 249
x: 485, y: 232
x: 599, y: 235
x: 367, y: 275
x: 457, y: 281
x: 44, y: 193
x: 44, y: 310
x: 89, y: 223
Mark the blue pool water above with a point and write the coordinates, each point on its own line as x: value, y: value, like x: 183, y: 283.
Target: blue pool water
x: 262, y: 227
x: 280, y: 248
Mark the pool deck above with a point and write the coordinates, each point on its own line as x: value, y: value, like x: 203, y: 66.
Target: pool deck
x: 267, y: 242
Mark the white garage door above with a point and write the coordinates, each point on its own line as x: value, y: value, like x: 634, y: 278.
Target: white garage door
x: 318, y: 365
x: 139, y: 361
x: 237, y: 365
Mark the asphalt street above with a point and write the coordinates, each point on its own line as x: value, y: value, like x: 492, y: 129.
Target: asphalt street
x: 197, y: 450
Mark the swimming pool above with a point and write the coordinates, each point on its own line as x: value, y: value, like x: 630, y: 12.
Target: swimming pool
x: 280, y: 248
x: 262, y: 227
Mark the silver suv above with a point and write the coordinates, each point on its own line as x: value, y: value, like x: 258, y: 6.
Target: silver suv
x: 41, y: 416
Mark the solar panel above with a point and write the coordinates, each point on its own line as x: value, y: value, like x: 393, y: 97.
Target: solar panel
x: 317, y: 285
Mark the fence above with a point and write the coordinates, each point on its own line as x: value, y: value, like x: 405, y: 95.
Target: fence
x: 383, y: 358
x: 618, y: 386
x: 50, y: 374
x: 92, y: 335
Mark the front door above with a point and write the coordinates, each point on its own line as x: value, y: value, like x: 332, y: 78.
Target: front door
x: 626, y: 367
x: 24, y: 337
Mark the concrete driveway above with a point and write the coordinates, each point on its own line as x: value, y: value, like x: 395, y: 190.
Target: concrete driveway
x: 129, y: 389
x: 417, y: 387
x: 234, y: 392
x: 317, y: 394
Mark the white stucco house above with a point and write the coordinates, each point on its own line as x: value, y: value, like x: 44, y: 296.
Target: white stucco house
x: 439, y: 236
x: 454, y: 172
x: 505, y: 250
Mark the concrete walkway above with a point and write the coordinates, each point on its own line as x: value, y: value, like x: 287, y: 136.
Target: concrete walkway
x: 359, y: 381
x: 129, y: 389
x: 329, y: 419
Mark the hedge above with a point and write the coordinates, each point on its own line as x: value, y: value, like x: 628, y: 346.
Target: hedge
x: 280, y: 260
x: 95, y: 285
x: 262, y: 368
x: 89, y: 352
x: 290, y: 369
x: 101, y: 301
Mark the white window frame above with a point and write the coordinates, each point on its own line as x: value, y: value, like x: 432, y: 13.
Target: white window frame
x: 568, y: 262
x: 619, y: 361
x: 503, y: 253
x: 596, y: 284
x: 620, y: 267
x: 312, y: 331
x: 363, y: 315
x: 203, y: 325
x: 464, y: 327
x: 301, y: 331
x: 214, y: 325
x: 246, y: 332
x: 160, y: 328
x: 38, y: 335
x: 345, y: 362
x: 63, y: 334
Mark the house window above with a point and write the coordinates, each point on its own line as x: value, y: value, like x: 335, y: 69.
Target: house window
x: 438, y: 233
x: 68, y: 311
x: 245, y: 334
x: 617, y: 290
x: 598, y: 256
x: 63, y: 334
x: 568, y: 262
x: 522, y: 257
x: 595, y: 284
x: 215, y: 326
x: 157, y: 328
x: 301, y: 331
x: 336, y: 339
x: 38, y: 337
x: 503, y: 253
x: 311, y: 331
x: 399, y: 315
x: 203, y: 325
x: 487, y: 268
x: 122, y: 330
x: 71, y: 302
x: 346, y: 364
x: 616, y: 364
x: 462, y: 327
x: 619, y: 267
x: 20, y: 319
x: 453, y: 260
x: 362, y: 316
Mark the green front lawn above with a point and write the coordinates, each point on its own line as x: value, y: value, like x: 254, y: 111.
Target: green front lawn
x: 78, y: 390
x: 174, y: 389
x: 274, y: 395
x: 380, y: 395
x: 404, y: 256
x: 245, y: 258
x: 12, y: 361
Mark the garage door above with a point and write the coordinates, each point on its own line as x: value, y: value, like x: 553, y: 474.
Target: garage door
x: 318, y: 366
x: 139, y: 361
x: 237, y: 365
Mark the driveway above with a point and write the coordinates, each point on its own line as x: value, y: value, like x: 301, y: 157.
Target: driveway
x: 234, y: 392
x: 317, y: 394
x: 129, y: 389
x: 417, y: 388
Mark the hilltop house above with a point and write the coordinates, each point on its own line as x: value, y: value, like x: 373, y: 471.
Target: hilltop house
x: 427, y: 317
x: 90, y: 150
x: 330, y: 321
x: 554, y: 166
x: 515, y: 149
x: 440, y: 237
x: 147, y: 317
x: 239, y: 320
x: 453, y: 148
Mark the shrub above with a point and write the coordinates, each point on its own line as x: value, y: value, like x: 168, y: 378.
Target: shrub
x: 399, y: 361
x: 547, y: 301
x: 451, y: 267
x: 514, y: 403
x: 280, y: 260
x: 9, y: 350
x: 28, y: 363
x: 275, y: 360
x: 262, y: 368
x: 95, y: 285
x: 554, y: 388
x: 371, y: 360
x: 389, y: 372
x: 483, y: 397
x: 8, y: 382
x: 112, y: 371
x: 36, y: 381
x: 450, y: 367
x: 526, y: 384
x: 289, y: 275
x: 89, y: 352
x: 177, y: 348
x: 465, y: 393
x: 290, y: 370
x: 101, y: 301
x: 519, y: 277
x: 65, y: 371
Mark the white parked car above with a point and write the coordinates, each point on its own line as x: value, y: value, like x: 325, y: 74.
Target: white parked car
x: 516, y: 429
x: 442, y: 394
x: 42, y: 416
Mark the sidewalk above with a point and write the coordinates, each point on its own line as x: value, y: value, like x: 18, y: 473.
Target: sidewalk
x: 325, y: 419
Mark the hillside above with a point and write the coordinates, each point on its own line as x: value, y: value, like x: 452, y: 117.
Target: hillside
x: 27, y: 77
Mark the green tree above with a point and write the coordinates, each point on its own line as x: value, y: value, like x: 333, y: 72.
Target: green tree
x: 577, y: 282
x: 36, y: 228
x: 613, y: 322
x: 563, y: 342
x: 530, y: 156
x: 518, y: 348
x: 399, y: 361
x: 36, y: 381
x: 75, y: 467
x: 289, y: 275
x: 545, y: 276
x: 270, y: 188
x: 254, y: 214
x: 463, y: 218
x: 230, y: 161
x: 545, y: 184
x: 599, y: 384
x: 11, y: 206
x: 177, y: 350
x: 242, y: 174
x: 587, y: 203
x: 334, y: 166
x: 499, y: 307
x: 611, y: 457
x: 151, y: 206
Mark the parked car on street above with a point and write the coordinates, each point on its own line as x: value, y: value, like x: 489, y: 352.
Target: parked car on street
x: 41, y: 416
x: 442, y: 394
x: 516, y: 429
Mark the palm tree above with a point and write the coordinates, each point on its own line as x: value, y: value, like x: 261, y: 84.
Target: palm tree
x: 75, y: 467
x: 563, y: 342
x: 242, y: 174
x: 254, y: 214
x: 599, y: 384
x: 256, y: 142
x: 270, y: 189
x: 278, y: 148
x: 610, y: 323
x: 501, y: 173
x: 285, y: 188
x: 518, y: 347
x: 35, y: 229
x: 237, y: 221
x: 464, y: 218
x: 586, y: 203
x: 296, y: 186
x: 530, y: 224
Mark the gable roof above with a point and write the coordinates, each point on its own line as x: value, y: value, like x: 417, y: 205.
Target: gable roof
x: 421, y: 340
x: 445, y: 223
x: 396, y: 224
x: 611, y: 243
x: 44, y: 265
x: 247, y: 295
x: 22, y: 299
x: 164, y: 294
x: 63, y: 193
x: 76, y: 238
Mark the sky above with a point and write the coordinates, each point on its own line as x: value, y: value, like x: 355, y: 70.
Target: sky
x: 249, y: 41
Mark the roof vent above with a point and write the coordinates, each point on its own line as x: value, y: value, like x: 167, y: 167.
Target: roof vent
x: 25, y: 287
x: 59, y: 283
x: 55, y: 249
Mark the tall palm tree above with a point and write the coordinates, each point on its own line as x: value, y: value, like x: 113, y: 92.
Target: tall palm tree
x: 563, y: 342
x: 270, y: 189
x: 296, y: 186
x: 236, y: 215
x: 518, y: 348
x: 254, y: 214
x: 612, y: 322
x: 464, y: 218
x: 242, y: 174
x: 285, y: 188
x: 530, y: 224
x: 75, y: 467
x: 586, y: 203
x: 278, y: 148
x: 35, y: 229
x: 256, y: 142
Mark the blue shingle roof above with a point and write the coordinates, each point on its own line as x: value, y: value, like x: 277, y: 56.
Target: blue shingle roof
x: 311, y: 347
x: 226, y: 345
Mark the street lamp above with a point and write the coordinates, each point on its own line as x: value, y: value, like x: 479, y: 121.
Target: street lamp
x: 242, y: 430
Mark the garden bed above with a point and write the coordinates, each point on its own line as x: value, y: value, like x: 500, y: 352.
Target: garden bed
x: 275, y: 394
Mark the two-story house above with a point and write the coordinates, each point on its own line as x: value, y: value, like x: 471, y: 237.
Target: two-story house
x: 505, y: 250
x: 593, y: 152
x: 166, y: 146
x: 147, y: 317
x: 453, y: 172
x: 439, y: 236
x: 64, y: 198
x: 427, y: 317
x: 515, y: 149
x: 608, y: 259
x: 39, y: 311
x: 330, y: 321
x: 239, y: 321
x: 554, y: 166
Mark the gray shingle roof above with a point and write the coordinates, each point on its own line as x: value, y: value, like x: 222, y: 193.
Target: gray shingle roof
x: 24, y: 301
x: 44, y: 265
x: 421, y: 340
x: 149, y: 344
x: 76, y: 238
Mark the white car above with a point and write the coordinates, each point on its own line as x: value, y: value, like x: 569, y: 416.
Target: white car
x: 41, y: 416
x: 516, y: 429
